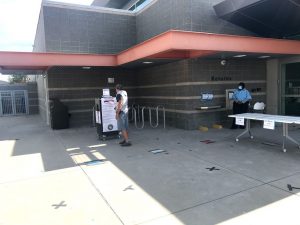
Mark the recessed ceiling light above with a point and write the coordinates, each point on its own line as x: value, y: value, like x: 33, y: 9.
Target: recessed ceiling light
x: 264, y: 56
x: 86, y: 67
x: 239, y: 56
x: 147, y: 62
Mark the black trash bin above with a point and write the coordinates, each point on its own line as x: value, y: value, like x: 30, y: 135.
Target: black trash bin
x: 59, y: 114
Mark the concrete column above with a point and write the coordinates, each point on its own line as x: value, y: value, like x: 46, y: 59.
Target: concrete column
x: 47, y: 98
x: 273, y: 75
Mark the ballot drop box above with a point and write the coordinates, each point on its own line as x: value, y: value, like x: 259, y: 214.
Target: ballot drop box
x: 105, y: 118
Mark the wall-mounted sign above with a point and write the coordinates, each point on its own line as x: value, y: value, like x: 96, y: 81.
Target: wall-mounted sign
x: 207, y: 96
x: 111, y: 80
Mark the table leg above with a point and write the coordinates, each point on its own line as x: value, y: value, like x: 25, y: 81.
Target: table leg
x: 286, y: 136
x: 247, y: 130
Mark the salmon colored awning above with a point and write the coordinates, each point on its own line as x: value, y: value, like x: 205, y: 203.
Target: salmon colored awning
x: 169, y: 45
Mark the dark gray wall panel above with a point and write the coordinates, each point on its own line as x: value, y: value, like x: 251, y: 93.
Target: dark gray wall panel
x: 70, y: 30
x: 190, y: 15
x: 39, y: 42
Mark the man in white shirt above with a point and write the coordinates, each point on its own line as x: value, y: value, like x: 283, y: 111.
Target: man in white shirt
x: 122, y: 114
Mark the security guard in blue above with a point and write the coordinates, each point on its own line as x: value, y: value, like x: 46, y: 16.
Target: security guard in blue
x: 241, y: 98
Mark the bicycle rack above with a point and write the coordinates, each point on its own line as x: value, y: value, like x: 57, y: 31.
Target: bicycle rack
x: 132, y: 108
x: 138, y: 116
x: 142, y: 119
x: 150, y: 117
x: 164, y: 114
x: 94, y: 117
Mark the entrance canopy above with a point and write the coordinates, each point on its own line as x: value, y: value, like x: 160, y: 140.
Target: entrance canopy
x: 166, y: 47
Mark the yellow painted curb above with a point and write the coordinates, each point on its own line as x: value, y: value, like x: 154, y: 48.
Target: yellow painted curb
x: 217, y: 126
x: 202, y: 128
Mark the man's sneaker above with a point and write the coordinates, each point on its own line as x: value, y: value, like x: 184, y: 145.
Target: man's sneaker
x: 126, y: 144
x: 122, y: 142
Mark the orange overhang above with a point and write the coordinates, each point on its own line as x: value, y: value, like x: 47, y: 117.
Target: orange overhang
x: 172, y: 44
x: 34, y: 60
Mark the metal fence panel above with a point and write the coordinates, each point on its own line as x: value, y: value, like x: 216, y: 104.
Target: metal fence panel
x: 13, y: 102
x: 7, y: 103
x: 20, y: 102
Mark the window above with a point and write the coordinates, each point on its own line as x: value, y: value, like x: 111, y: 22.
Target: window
x: 138, y: 5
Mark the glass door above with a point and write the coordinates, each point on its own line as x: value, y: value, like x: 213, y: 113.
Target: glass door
x: 291, y: 90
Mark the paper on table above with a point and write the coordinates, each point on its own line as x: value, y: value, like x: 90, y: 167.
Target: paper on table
x: 240, y: 121
x: 269, y: 124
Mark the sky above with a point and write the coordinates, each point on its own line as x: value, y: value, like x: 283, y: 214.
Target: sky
x: 18, y: 22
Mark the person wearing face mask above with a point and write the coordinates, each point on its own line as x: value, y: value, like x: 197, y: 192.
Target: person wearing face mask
x: 241, y: 98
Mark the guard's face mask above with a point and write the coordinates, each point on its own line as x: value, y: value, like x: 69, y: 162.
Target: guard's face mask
x: 240, y: 88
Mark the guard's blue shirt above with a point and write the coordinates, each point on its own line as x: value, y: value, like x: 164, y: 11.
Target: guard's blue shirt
x: 241, y: 95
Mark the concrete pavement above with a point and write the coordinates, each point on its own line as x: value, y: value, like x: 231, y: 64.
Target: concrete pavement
x: 44, y: 178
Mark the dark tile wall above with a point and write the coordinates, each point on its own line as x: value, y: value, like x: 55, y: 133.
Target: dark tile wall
x: 77, y: 88
x: 31, y: 89
x: 85, y: 31
x: 189, y: 15
x: 178, y: 86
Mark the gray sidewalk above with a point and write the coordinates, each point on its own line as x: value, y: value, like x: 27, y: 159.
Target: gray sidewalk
x: 44, y: 178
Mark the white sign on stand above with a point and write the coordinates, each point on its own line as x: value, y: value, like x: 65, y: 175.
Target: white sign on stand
x: 269, y: 124
x: 109, y: 122
x: 240, y: 121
